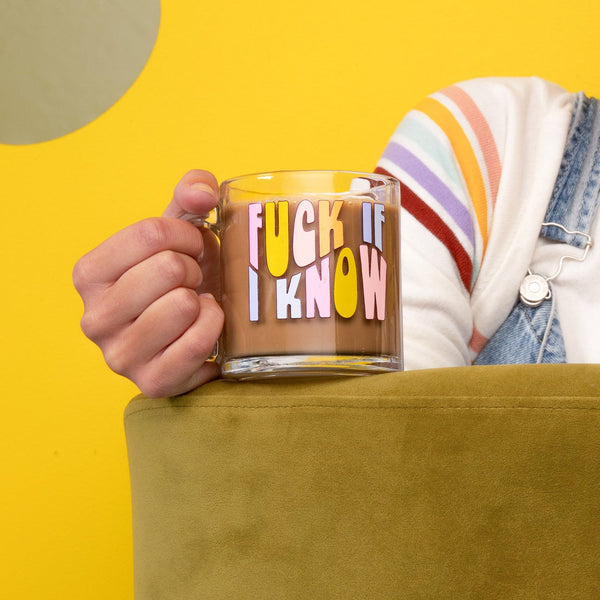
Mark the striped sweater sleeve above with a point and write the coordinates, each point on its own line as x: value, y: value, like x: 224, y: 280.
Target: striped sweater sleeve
x: 476, y: 162
x: 447, y: 161
x: 446, y: 157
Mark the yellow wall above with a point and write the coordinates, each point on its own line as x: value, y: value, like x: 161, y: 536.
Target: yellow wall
x: 233, y: 87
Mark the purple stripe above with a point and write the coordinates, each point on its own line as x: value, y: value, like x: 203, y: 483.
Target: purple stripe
x: 409, y: 163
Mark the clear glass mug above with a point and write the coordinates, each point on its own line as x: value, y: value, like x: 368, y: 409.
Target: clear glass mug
x: 310, y: 274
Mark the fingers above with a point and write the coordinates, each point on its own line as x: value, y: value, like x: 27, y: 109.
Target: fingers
x: 140, y: 293
x: 137, y: 289
x: 159, y: 325
x: 132, y: 245
x: 196, y: 193
x: 180, y: 365
x: 184, y: 360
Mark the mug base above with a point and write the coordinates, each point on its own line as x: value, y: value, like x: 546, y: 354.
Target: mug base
x: 261, y: 367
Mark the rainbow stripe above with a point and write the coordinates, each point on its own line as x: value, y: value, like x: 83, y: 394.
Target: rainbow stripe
x: 447, y: 161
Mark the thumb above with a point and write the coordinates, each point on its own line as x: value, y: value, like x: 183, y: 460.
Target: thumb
x: 197, y: 193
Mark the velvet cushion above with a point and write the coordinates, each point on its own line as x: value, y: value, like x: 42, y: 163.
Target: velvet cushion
x: 476, y: 482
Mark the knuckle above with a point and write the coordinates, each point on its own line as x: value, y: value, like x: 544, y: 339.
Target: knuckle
x: 202, y: 346
x: 213, y: 314
x: 98, y: 319
x: 152, y: 233
x: 171, y: 268
x: 91, y: 325
x: 118, y: 359
x: 81, y: 274
x: 197, y: 277
x: 155, y: 385
x: 204, y: 340
x: 157, y: 380
x: 184, y: 303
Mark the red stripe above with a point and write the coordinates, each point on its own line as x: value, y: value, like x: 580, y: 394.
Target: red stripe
x: 432, y: 221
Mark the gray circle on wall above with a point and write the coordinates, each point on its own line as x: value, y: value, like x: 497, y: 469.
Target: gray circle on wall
x: 65, y: 62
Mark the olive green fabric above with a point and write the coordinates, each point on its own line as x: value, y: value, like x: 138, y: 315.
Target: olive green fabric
x: 477, y: 482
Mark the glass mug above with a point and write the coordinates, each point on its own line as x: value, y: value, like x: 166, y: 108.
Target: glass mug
x: 310, y: 274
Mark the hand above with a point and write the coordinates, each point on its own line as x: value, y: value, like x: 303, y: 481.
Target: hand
x: 149, y: 299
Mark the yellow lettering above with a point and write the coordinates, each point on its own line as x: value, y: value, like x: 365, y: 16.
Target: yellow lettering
x: 345, y: 286
x: 277, y: 246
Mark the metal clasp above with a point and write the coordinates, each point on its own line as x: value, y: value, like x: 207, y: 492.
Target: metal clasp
x: 535, y: 288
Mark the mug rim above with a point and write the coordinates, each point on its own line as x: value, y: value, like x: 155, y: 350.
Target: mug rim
x: 384, y: 179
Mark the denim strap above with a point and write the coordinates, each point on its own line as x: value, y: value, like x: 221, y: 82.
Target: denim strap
x: 533, y: 334
x: 527, y: 336
x: 575, y: 196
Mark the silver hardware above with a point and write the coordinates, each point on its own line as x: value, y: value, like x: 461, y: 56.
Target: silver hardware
x: 588, y: 245
x: 535, y: 288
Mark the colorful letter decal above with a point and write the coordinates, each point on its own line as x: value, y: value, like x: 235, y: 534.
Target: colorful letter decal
x: 252, y: 294
x: 254, y: 224
x: 304, y: 245
x: 323, y: 280
x: 345, y: 292
x: 277, y: 243
x: 318, y: 290
x: 378, y: 221
x: 367, y: 227
x: 374, y: 278
x: 286, y: 297
x: 330, y: 223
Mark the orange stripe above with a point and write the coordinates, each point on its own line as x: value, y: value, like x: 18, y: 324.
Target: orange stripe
x: 483, y: 132
x: 467, y: 160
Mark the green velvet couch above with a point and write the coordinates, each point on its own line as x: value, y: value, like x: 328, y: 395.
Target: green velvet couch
x: 476, y: 482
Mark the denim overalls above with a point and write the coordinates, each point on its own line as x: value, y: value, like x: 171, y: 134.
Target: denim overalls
x: 532, y: 332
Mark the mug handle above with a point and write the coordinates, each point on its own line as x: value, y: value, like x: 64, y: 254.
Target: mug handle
x: 212, y: 223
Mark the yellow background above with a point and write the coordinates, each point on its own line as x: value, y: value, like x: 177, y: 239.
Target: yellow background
x: 232, y: 87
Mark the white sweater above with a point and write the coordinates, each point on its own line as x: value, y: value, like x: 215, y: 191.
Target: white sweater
x: 478, y: 162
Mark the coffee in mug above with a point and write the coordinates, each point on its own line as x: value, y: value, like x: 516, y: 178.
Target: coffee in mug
x: 310, y: 265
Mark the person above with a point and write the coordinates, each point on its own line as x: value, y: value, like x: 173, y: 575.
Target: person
x: 500, y: 181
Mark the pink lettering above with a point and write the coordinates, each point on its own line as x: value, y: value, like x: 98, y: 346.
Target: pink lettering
x: 374, y: 282
x: 304, y: 244
x: 317, y: 290
x: 254, y: 224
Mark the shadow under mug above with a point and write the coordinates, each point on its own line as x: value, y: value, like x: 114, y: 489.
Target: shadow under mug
x: 310, y: 274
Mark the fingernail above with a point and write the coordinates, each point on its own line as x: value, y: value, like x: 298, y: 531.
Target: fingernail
x: 203, y: 187
x: 207, y: 295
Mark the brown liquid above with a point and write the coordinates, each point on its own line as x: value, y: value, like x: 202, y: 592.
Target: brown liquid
x: 354, y: 335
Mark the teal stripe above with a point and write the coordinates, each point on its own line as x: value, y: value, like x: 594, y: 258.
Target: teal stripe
x: 412, y: 129
x: 476, y: 265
